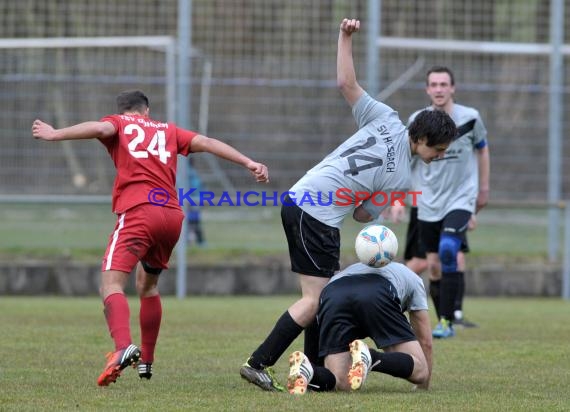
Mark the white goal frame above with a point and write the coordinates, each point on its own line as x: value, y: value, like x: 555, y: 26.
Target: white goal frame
x: 167, y: 44
x: 465, y: 46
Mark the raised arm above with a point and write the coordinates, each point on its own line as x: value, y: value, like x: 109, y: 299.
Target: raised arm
x: 85, y: 130
x: 201, y: 143
x: 345, y: 74
x: 484, y: 166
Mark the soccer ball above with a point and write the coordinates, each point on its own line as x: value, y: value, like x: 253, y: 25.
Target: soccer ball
x: 376, y: 246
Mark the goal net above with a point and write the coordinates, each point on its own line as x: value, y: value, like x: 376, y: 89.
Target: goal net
x: 65, y: 81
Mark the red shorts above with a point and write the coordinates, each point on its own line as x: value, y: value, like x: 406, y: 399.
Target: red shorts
x: 145, y: 233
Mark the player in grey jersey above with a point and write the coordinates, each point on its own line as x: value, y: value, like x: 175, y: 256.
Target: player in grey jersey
x: 376, y: 158
x: 361, y: 302
x: 454, y: 188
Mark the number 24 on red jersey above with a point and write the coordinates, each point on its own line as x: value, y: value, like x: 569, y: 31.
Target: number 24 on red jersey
x: 156, y: 147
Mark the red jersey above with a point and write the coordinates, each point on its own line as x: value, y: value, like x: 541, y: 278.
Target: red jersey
x: 145, y: 152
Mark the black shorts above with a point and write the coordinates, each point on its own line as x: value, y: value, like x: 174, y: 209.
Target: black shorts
x: 359, y: 307
x: 414, y: 247
x: 314, y: 248
x: 455, y: 222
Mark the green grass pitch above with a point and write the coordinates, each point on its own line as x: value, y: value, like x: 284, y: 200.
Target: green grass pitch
x: 53, y: 350
x: 81, y: 232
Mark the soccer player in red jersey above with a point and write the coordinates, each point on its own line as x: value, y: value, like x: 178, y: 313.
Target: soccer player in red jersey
x: 144, y: 152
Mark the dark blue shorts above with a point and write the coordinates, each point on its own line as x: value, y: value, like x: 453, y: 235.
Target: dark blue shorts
x: 455, y: 222
x: 357, y: 307
x: 314, y: 248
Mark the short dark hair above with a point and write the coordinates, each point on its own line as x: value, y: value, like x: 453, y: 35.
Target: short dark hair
x: 435, y: 125
x: 132, y: 101
x: 441, y: 69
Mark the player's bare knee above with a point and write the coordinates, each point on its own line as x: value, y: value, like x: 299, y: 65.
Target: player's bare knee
x: 433, y: 267
x: 146, y: 288
x: 310, y: 305
x: 304, y: 311
x: 143, y: 288
x: 147, y: 280
x: 314, y: 306
x: 420, y: 373
x: 421, y: 378
x: 112, y: 282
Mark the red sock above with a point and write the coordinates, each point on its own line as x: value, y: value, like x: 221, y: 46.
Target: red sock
x: 149, y: 318
x: 117, y: 315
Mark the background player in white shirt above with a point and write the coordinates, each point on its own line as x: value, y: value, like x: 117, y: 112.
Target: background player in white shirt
x: 454, y: 188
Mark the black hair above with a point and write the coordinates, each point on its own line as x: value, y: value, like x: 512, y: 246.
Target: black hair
x: 132, y: 101
x: 441, y: 69
x: 435, y: 126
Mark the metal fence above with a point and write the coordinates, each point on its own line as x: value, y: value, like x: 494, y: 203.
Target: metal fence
x: 271, y: 91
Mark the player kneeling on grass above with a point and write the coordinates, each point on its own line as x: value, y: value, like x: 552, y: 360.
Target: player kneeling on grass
x: 359, y: 302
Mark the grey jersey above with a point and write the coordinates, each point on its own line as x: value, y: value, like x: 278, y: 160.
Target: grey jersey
x: 408, y: 285
x: 452, y: 183
x: 415, y: 172
x: 415, y: 185
x: 374, y: 159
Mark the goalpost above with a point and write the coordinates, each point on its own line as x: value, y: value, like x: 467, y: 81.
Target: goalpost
x: 48, y: 70
x: 96, y: 63
x: 69, y: 79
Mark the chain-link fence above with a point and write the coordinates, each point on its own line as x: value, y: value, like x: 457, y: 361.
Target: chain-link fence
x: 272, y: 90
